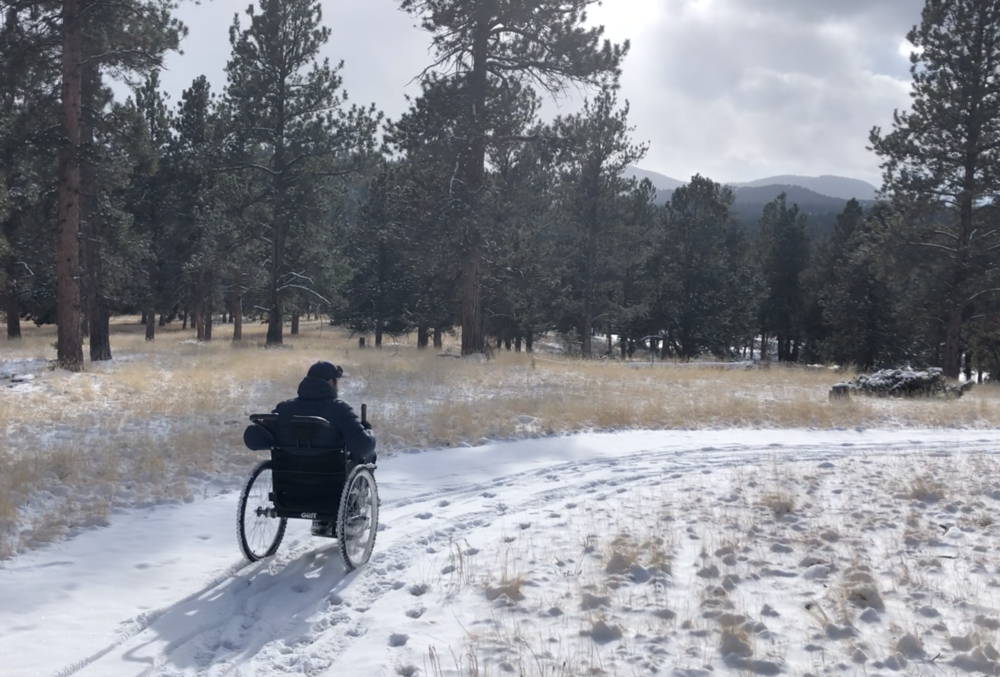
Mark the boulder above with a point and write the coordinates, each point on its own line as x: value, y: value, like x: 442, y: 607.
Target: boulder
x: 901, y: 383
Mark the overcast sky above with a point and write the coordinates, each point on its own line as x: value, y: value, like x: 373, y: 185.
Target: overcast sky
x: 733, y: 89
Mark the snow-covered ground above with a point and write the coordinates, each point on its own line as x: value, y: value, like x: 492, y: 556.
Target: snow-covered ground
x: 689, y: 553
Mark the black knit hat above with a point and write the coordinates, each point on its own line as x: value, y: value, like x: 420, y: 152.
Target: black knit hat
x: 325, y: 371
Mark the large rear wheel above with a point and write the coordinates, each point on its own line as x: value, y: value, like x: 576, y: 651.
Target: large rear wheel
x: 357, y: 520
x: 260, y: 531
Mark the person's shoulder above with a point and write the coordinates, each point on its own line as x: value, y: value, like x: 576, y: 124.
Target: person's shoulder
x: 287, y: 404
x: 341, y: 405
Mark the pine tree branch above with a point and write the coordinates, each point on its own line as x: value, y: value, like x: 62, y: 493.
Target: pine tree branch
x: 934, y: 245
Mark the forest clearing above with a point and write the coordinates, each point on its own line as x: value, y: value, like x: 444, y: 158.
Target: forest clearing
x: 163, y: 422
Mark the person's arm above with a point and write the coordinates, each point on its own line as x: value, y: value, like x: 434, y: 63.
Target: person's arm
x: 359, y: 441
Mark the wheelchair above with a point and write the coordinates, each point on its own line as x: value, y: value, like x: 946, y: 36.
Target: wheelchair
x: 306, y: 478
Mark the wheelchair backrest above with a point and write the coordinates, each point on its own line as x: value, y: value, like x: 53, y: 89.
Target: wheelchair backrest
x: 308, y: 469
x: 303, y: 434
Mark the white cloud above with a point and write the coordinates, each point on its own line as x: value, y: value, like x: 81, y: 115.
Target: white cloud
x: 734, y: 89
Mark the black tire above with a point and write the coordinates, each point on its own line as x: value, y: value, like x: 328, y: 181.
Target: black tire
x: 259, y: 534
x: 357, y: 519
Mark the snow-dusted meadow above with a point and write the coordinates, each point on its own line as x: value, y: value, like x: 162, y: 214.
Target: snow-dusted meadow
x: 753, y: 528
x: 727, y: 552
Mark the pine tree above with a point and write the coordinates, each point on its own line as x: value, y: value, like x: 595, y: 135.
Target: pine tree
x: 827, y: 265
x: 940, y: 160
x: 29, y: 101
x: 784, y: 251
x: 151, y: 191
x: 378, y: 292
x: 485, y: 46
x: 291, y: 117
x: 429, y: 140
x: 859, y: 303
x: 697, y: 296
x: 595, y: 149
x: 522, y: 291
x: 69, y: 346
x: 128, y: 37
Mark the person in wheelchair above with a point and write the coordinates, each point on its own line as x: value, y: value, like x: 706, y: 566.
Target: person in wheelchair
x: 317, y: 396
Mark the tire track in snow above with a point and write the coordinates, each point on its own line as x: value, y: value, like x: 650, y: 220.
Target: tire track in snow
x: 322, y: 625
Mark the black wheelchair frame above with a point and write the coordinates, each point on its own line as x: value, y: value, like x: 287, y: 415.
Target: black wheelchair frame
x: 305, y: 478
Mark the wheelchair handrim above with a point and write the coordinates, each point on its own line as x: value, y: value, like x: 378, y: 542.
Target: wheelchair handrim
x: 359, y: 527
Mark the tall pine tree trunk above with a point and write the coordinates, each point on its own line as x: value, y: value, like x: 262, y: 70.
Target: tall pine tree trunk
x: 98, y: 315
x: 423, y: 337
x: 474, y: 172
x: 295, y: 323
x: 586, y: 333
x: 957, y: 303
x: 12, y: 308
x: 378, y: 334
x: 69, y: 346
x: 438, y: 338
x: 207, y: 321
x: 11, y: 303
x: 953, y: 342
x: 275, y: 330
x: 236, y: 312
x: 151, y: 323
x: 472, y: 333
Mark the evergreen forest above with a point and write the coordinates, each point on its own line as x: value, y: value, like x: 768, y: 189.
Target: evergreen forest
x: 276, y: 197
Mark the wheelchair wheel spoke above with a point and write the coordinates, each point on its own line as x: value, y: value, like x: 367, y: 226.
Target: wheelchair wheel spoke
x: 358, y: 519
x: 260, y: 533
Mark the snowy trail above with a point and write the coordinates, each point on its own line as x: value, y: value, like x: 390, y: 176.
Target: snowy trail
x: 163, y: 591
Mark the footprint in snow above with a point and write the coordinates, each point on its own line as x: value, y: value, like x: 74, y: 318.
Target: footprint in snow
x: 443, y: 504
x: 416, y: 612
x: 488, y: 494
x: 398, y: 639
x: 418, y: 589
x: 424, y: 515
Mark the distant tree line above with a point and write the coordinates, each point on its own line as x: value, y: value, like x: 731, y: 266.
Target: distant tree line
x: 275, y: 197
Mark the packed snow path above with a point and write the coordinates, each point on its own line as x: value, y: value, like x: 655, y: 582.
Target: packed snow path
x: 164, y: 591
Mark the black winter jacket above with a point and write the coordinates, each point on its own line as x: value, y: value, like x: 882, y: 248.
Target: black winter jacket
x: 318, y: 398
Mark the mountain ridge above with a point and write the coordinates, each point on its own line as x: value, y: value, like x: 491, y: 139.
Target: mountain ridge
x: 750, y: 197
x: 827, y: 185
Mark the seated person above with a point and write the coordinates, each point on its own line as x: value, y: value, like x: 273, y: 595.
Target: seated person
x: 318, y: 397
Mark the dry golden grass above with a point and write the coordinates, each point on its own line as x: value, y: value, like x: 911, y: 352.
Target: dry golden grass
x: 165, y: 415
